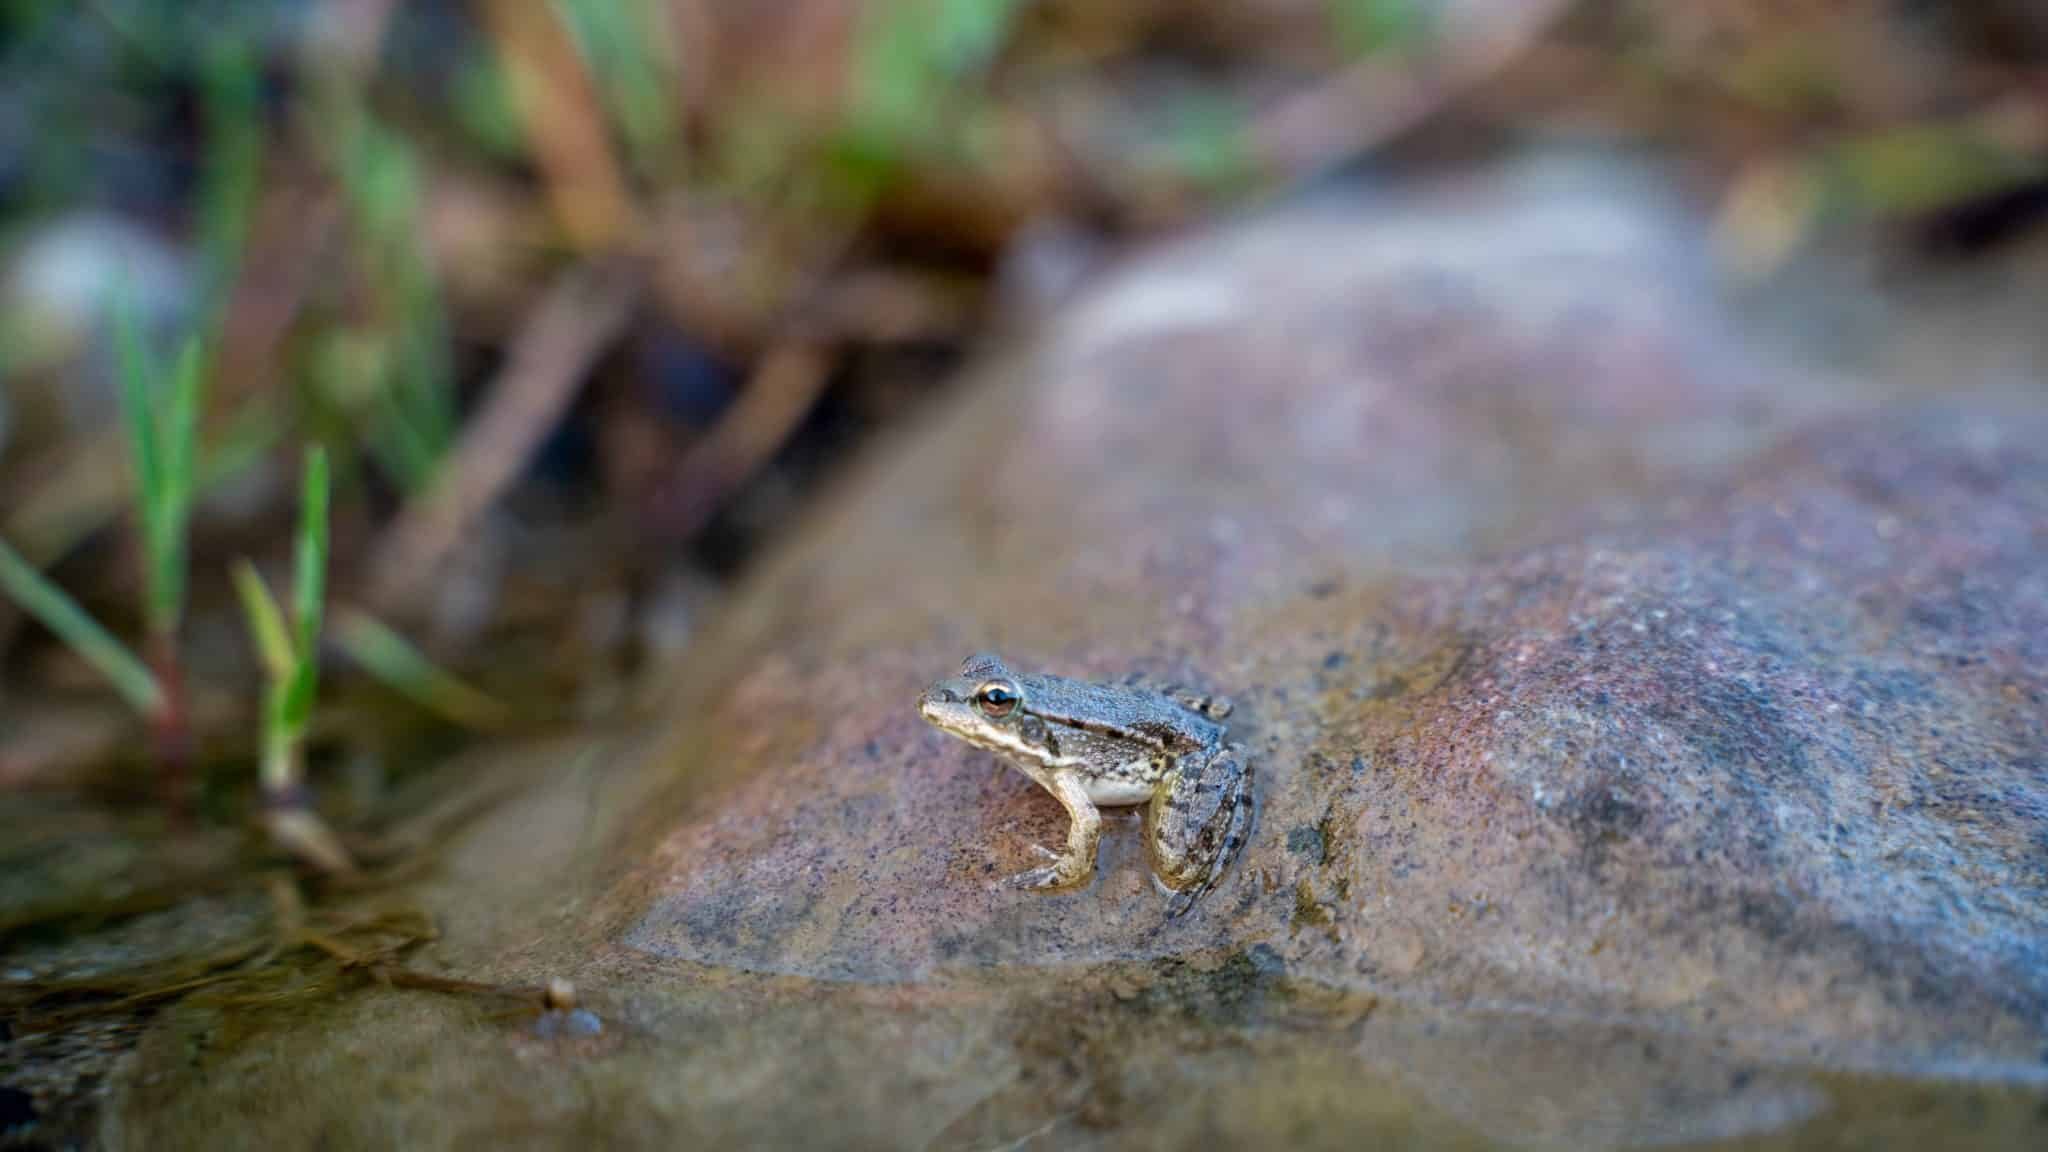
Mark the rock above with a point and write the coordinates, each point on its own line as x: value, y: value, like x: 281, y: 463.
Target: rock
x: 1652, y: 751
x: 1772, y: 770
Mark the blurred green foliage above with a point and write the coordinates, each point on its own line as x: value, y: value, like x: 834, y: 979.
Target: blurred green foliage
x: 231, y: 173
x: 1920, y: 167
x: 393, y: 659
x: 289, y: 650
x: 1209, y: 144
x: 162, y: 414
x: 1370, y: 27
x: 917, y: 92
x: 626, y: 45
x: 401, y: 379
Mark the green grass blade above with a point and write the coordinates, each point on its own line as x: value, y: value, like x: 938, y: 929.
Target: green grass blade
x: 392, y: 659
x: 414, y: 418
x: 401, y: 446
x: 138, y: 406
x: 50, y: 523
x: 424, y: 390
x: 267, y: 631
x: 248, y: 437
x: 233, y: 165
x: 181, y: 433
x: 61, y: 614
x: 135, y: 371
x: 295, y: 705
x: 281, y: 769
x: 309, y: 577
x: 169, y: 573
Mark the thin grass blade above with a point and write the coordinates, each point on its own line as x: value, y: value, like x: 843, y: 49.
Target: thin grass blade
x: 233, y: 168
x: 138, y: 407
x: 295, y: 706
x: 248, y: 437
x: 267, y: 631
x: 309, y: 592
x: 95, y: 645
x: 309, y: 577
x: 392, y: 659
x: 180, y: 463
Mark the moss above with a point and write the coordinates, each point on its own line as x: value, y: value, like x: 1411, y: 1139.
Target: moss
x: 1309, y: 912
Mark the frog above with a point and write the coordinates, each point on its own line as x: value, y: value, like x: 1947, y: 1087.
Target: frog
x: 1096, y: 745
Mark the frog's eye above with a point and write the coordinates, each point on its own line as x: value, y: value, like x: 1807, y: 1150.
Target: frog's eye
x: 996, y: 700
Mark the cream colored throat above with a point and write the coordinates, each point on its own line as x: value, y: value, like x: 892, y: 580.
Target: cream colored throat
x: 998, y: 740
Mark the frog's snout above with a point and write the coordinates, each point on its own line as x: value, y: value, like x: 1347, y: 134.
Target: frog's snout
x: 935, y: 698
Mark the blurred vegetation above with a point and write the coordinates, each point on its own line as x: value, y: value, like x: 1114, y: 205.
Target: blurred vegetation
x: 347, y: 218
x: 580, y: 300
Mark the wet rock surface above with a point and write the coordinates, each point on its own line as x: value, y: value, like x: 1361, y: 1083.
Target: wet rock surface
x: 1654, y: 748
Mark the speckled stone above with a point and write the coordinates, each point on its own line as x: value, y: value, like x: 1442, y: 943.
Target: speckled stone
x: 1771, y: 767
x: 1652, y: 749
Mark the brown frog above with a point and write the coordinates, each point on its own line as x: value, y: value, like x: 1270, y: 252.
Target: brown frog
x: 1095, y: 745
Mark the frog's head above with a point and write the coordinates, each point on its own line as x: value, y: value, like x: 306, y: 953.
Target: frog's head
x: 983, y: 705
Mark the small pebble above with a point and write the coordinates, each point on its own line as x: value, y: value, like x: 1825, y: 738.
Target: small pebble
x: 578, y: 1022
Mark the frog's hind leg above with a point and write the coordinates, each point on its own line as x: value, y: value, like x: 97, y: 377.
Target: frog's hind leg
x: 1197, y: 822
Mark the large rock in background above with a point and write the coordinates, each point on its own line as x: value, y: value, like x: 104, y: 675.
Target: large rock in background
x: 1652, y: 742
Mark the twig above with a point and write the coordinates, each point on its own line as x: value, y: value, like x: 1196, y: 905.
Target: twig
x: 298, y: 220
x: 570, y: 138
x: 297, y: 230
x: 784, y: 386
x: 1379, y: 98
x: 213, y: 970
x: 878, y: 304
x: 400, y: 977
x: 585, y: 309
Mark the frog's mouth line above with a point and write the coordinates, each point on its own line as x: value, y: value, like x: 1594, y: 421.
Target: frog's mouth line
x: 1010, y: 747
x: 994, y: 740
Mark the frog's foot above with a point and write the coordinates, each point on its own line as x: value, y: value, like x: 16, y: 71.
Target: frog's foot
x: 1197, y: 824
x: 1057, y: 873
x: 1075, y: 866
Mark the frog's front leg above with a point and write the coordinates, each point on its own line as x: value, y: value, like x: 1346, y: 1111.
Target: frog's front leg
x: 1198, y: 819
x: 1084, y: 831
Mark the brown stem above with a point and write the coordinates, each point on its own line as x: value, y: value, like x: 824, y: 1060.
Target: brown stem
x: 576, y: 321
x: 172, y: 746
